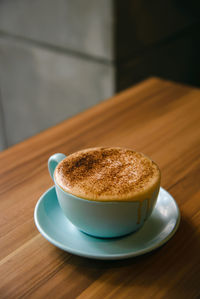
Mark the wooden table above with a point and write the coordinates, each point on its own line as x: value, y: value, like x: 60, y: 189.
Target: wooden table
x: 157, y: 117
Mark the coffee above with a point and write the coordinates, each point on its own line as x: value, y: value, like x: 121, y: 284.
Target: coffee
x: 108, y: 174
x: 105, y: 192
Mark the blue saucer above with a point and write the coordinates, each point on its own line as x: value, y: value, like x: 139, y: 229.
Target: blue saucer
x: 57, y: 229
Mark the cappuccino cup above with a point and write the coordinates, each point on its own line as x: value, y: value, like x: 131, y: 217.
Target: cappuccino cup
x: 106, y: 191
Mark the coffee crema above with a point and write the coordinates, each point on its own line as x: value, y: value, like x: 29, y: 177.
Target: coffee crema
x: 108, y: 174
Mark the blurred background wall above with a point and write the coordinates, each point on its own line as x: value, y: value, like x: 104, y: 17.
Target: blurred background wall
x: 58, y: 58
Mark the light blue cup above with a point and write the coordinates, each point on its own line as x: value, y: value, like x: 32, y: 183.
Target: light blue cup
x: 102, y: 219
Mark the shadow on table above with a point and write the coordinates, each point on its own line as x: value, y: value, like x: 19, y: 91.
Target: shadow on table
x: 168, y: 265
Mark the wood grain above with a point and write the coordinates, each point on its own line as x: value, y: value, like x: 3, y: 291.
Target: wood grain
x: 157, y: 117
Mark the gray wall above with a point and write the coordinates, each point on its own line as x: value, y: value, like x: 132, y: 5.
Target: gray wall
x: 83, y: 26
x: 55, y: 61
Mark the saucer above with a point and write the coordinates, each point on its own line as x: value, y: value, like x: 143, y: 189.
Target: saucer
x: 58, y: 230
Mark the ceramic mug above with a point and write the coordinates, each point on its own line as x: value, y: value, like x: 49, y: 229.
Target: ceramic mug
x: 98, y: 218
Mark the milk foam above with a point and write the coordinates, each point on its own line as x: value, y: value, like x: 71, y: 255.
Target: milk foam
x: 108, y: 174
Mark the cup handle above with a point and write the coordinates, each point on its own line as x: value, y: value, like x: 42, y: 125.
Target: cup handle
x: 53, y: 162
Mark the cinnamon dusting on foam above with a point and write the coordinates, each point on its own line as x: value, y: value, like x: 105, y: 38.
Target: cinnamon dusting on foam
x: 108, y: 174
